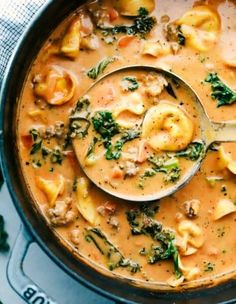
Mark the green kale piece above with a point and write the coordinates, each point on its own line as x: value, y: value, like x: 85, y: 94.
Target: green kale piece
x: 193, y: 152
x: 141, y: 222
x: 94, y: 72
x: 142, y: 25
x: 130, y: 83
x: 56, y: 156
x: 4, y: 246
x: 115, y: 152
x: 106, y: 248
x: 79, y: 121
x: 36, y: 147
x: 105, y: 125
x: 220, y: 91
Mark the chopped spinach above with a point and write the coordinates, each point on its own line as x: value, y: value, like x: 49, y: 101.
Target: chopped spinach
x: 141, y: 222
x: 193, y: 152
x: 130, y: 83
x: 94, y: 72
x: 220, y: 91
x: 36, y: 147
x: 4, y: 246
x: 106, y: 248
x: 142, y: 25
x: 34, y: 133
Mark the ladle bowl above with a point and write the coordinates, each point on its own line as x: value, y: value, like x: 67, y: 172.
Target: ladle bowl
x: 210, y: 132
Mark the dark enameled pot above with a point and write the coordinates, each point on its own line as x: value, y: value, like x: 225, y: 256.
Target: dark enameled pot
x: 36, y: 229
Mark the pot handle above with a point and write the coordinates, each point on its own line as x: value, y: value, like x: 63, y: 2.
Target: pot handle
x: 19, y: 281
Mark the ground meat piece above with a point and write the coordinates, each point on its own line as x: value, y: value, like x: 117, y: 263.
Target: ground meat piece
x: 171, y: 32
x: 61, y: 213
x: 130, y: 168
x: 191, y: 208
x: 113, y: 221
x: 75, y: 236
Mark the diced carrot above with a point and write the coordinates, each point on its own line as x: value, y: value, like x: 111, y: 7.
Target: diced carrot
x: 117, y: 173
x: 113, y: 14
x: 142, y: 152
x: 124, y: 41
x: 27, y: 141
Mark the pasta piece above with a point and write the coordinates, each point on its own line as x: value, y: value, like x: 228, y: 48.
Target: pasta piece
x: 232, y: 166
x: 57, y: 87
x: 71, y: 41
x: 156, y: 48
x: 167, y: 128
x: 84, y: 202
x: 200, y: 27
x: 38, y: 114
x: 51, y: 188
x: 223, y: 208
x: 133, y: 103
x: 189, y: 273
x: 89, y: 42
x: 131, y: 8
x: 191, y: 237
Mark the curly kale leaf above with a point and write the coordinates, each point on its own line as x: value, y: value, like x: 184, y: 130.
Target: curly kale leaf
x: 141, y: 222
x: 193, y: 152
x: 220, y: 91
x: 142, y: 25
x: 105, y: 125
x: 115, y: 152
x: 106, y: 248
x: 94, y: 72
x: 165, y: 164
x: 129, y: 83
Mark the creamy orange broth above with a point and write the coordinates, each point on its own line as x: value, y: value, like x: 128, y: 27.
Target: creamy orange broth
x: 216, y: 255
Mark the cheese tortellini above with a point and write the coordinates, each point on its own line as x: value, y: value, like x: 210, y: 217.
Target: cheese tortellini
x: 131, y: 8
x: 84, y: 202
x: 167, y: 127
x: 200, y: 27
x: 56, y: 87
x: 223, y: 208
x: 133, y: 103
x: 51, y: 188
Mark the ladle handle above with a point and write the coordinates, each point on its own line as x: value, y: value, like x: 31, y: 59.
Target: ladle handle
x: 224, y: 131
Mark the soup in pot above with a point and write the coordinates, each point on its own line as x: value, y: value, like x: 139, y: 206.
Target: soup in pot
x: 136, y: 132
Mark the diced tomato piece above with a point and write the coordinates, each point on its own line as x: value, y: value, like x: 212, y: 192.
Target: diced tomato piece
x: 117, y: 172
x: 124, y: 41
x: 71, y: 157
x: 27, y: 140
x: 142, y: 152
x: 113, y: 14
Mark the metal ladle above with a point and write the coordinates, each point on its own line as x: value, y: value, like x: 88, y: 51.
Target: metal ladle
x: 211, y: 132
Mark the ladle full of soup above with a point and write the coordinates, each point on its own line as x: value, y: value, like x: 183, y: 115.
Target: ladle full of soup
x: 141, y: 133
